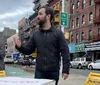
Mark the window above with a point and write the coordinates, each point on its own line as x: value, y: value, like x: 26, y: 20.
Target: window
x: 72, y: 1
x: 73, y: 8
x: 91, y: 2
x: 77, y: 59
x: 90, y: 17
x: 72, y: 38
x: 82, y: 36
x: 77, y: 37
x: 77, y: 22
x: 72, y: 24
x: 98, y: 30
x: 83, y: 19
x: 99, y: 12
x: 97, y: 61
x: 90, y: 35
x: 82, y: 59
x: 83, y: 4
x: 77, y: 4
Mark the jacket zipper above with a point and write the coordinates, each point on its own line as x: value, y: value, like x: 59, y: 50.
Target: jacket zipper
x: 45, y: 38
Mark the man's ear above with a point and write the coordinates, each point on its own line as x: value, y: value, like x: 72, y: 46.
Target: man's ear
x: 48, y: 16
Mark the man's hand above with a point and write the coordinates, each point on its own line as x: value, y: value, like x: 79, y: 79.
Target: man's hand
x: 64, y: 76
x: 17, y: 42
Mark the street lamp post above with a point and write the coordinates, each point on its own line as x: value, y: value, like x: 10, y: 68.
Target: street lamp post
x: 62, y: 27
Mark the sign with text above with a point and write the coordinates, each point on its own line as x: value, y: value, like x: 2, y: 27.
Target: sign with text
x: 93, y: 79
x: 64, y: 19
x: 92, y: 46
x: 79, y: 47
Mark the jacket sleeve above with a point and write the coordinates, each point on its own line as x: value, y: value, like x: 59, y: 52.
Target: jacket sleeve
x: 27, y: 48
x: 63, y: 45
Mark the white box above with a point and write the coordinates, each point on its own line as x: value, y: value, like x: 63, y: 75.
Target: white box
x: 25, y: 81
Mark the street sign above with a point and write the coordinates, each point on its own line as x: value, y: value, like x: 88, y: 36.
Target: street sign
x: 64, y: 19
x: 16, y: 55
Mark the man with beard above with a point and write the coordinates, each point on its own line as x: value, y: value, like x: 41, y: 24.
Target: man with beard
x: 51, y: 45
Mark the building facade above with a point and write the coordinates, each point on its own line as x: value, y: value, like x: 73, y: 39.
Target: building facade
x: 23, y: 27
x: 7, y: 32
x: 57, y: 6
x: 84, y: 25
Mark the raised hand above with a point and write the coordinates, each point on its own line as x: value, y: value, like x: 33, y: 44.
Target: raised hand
x: 17, y: 42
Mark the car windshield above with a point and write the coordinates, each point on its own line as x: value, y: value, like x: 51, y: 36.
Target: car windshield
x: 88, y: 59
x: 97, y: 61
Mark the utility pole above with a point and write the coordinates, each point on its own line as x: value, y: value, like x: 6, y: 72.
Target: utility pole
x: 62, y: 27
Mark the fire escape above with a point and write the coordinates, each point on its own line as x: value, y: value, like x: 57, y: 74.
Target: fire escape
x: 96, y: 20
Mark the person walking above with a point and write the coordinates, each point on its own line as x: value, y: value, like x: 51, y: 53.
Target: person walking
x: 51, y: 46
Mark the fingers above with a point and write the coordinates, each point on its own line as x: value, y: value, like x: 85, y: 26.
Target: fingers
x: 64, y: 76
x: 17, y: 42
x: 14, y: 39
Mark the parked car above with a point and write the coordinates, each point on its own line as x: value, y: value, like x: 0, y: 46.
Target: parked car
x: 80, y: 62
x: 94, y: 65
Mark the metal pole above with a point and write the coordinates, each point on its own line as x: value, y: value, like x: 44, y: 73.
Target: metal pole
x: 62, y: 28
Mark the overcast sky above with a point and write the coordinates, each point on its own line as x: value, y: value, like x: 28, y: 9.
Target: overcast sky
x: 11, y: 11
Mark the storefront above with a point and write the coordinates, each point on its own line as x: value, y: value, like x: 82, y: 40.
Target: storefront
x: 71, y: 50
x: 80, y: 50
x: 93, y: 50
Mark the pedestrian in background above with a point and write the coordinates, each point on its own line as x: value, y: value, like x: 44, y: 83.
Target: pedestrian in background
x: 51, y: 45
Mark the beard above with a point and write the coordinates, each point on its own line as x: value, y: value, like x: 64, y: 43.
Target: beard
x: 41, y: 22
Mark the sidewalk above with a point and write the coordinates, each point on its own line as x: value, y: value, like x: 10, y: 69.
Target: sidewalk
x: 73, y: 79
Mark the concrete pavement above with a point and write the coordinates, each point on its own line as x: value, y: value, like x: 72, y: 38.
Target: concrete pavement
x: 73, y: 79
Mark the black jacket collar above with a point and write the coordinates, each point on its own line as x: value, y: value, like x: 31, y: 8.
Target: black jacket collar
x: 49, y: 30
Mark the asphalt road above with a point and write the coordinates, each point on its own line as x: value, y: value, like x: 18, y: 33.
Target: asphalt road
x: 13, y: 71
x: 83, y: 72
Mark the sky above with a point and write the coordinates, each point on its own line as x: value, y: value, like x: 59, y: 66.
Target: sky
x: 12, y: 11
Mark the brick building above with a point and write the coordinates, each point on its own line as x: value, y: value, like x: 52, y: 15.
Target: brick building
x: 55, y: 4
x: 84, y: 25
x: 23, y: 27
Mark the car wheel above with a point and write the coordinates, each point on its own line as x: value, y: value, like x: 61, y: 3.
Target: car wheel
x: 79, y: 66
x: 90, y: 67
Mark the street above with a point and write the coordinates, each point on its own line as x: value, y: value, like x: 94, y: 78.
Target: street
x: 83, y: 72
x: 15, y: 71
